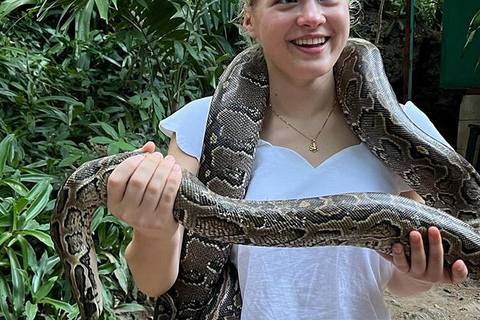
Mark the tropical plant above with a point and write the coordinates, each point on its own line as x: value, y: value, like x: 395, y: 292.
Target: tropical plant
x: 473, y: 27
x: 78, y: 80
x: 392, y: 15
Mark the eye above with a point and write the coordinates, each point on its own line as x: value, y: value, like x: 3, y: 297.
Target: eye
x: 286, y: 1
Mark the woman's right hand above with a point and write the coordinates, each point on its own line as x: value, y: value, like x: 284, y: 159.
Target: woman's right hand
x: 141, y: 192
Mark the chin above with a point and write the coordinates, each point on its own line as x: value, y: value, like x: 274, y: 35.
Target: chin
x: 315, y: 72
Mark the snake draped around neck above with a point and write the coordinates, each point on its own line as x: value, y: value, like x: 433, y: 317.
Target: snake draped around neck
x: 231, y: 136
x: 225, y: 171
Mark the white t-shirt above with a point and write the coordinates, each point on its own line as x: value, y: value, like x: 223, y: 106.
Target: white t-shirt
x: 305, y: 283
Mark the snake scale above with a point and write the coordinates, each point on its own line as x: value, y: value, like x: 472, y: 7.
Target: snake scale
x: 206, y: 287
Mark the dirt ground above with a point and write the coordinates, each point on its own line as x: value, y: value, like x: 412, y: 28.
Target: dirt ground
x: 442, y: 302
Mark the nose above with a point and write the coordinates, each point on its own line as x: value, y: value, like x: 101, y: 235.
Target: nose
x: 311, y: 14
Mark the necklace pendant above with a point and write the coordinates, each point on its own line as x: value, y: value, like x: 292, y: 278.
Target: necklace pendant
x: 313, y: 146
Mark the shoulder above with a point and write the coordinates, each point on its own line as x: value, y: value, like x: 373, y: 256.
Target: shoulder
x: 196, y: 111
x: 188, y: 124
x: 421, y: 121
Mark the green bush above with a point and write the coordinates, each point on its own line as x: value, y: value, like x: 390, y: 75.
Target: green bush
x: 79, y: 80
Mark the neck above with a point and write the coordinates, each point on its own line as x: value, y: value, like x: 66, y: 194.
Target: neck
x: 302, y: 98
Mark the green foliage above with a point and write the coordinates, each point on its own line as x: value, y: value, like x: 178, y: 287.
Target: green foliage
x: 428, y: 13
x: 473, y: 27
x: 78, y: 80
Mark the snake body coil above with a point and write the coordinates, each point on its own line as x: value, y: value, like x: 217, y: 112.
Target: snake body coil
x: 450, y: 186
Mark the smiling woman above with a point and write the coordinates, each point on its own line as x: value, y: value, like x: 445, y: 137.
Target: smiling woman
x: 306, y: 149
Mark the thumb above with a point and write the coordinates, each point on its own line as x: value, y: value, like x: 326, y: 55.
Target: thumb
x: 148, y: 147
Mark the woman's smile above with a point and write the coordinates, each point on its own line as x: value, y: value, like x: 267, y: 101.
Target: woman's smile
x: 310, y: 44
x: 301, y: 40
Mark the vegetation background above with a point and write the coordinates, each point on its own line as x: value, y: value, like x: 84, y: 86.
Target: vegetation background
x: 80, y: 79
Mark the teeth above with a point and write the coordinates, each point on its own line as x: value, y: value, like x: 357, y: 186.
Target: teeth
x: 309, y: 42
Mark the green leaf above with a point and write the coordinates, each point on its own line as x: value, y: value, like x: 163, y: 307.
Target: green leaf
x: 59, y: 304
x: 31, y: 310
x: 66, y: 99
x: 122, y: 145
x: 37, y: 190
x: 7, y: 93
x: 3, y: 212
x: 111, y: 237
x: 112, y: 149
x: 101, y: 140
x: 192, y: 51
x: 45, y: 288
x: 15, y: 185
x: 17, y: 282
x: 40, y: 235
x: 20, y: 205
x: 102, y: 6
x: 129, y: 307
x: 5, y: 294
x: 25, y: 251
x: 5, y: 146
x: 5, y: 221
x: 118, y: 272
x: 179, y: 51
x: 121, y: 128
x: 109, y: 130
x: 106, y: 269
x: 8, y: 6
x: 97, y: 218
x: 68, y: 161
x: 44, y: 266
x: 5, y: 236
x: 40, y: 194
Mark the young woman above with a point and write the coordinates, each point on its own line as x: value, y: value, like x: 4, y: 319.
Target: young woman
x: 306, y: 149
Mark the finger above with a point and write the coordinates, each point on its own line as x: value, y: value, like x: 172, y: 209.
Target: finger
x: 117, y: 182
x: 149, y: 147
x: 418, y: 259
x: 156, y: 185
x: 459, y: 272
x: 399, y: 258
x: 140, y: 179
x: 435, y: 255
x: 386, y: 256
x: 170, y: 191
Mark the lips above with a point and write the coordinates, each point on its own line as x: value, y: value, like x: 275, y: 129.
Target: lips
x: 317, y: 41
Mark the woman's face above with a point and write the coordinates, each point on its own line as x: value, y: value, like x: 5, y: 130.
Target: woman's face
x: 301, y: 39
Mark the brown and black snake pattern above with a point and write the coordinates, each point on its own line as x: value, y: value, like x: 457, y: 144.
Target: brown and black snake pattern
x: 207, y: 287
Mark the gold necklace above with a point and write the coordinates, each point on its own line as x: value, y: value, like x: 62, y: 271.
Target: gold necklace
x: 313, y: 142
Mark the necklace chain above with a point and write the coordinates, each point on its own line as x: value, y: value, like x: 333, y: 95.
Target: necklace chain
x: 313, y: 142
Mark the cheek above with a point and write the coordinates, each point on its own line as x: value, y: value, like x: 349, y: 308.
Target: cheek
x: 340, y: 21
x: 270, y: 33
x: 343, y: 16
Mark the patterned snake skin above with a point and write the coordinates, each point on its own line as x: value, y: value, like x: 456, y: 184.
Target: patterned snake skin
x: 207, y: 287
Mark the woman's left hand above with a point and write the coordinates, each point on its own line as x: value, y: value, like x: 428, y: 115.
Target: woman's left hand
x: 423, y: 270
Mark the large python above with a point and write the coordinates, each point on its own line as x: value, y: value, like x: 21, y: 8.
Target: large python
x: 206, y: 287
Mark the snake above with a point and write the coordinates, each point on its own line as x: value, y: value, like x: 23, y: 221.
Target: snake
x: 211, y: 206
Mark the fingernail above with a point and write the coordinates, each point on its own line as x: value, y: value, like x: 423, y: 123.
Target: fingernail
x: 176, y: 168
x: 397, y: 249
x: 169, y: 158
x: 157, y: 155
